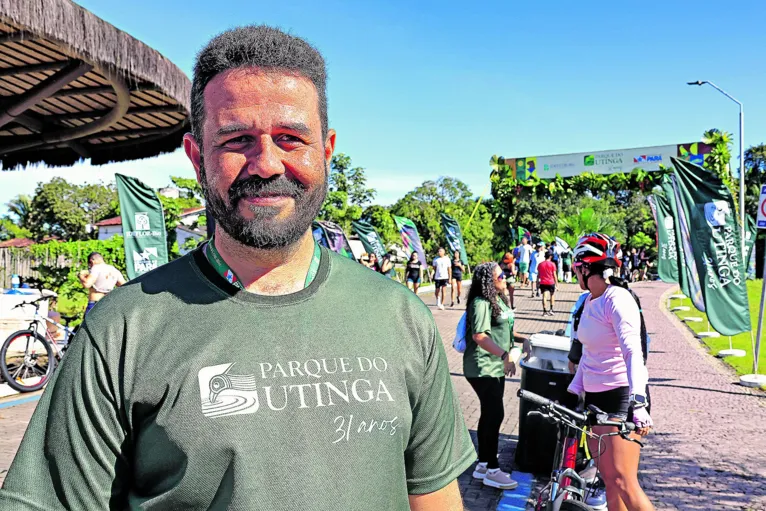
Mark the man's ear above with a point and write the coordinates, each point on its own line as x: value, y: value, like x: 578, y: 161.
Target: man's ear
x: 194, y: 153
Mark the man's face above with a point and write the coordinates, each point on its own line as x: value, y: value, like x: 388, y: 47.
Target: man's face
x: 523, y: 241
x: 441, y: 252
x: 262, y: 162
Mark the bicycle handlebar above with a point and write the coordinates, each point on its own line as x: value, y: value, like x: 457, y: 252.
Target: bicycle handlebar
x: 540, y: 400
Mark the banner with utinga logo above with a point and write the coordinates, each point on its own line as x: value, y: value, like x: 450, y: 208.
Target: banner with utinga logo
x: 143, y: 226
x: 716, y: 244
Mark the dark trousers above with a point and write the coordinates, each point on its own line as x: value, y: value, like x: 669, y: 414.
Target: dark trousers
x: 490, y: 392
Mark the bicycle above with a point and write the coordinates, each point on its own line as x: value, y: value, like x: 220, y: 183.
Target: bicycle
x: 567, y: 490
x: 27, y: 357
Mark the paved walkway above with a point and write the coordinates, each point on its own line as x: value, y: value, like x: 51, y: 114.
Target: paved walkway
x: 707, y: 452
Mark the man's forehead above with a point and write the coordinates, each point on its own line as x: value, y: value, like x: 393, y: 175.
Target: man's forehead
x: 253, y: 87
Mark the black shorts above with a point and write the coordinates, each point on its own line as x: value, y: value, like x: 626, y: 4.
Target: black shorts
x: 440, y: 283
x: 615, y: 402
x: 457, y: 276
x: 550, y: 288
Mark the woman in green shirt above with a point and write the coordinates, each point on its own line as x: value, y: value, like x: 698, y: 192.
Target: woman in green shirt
x: 489, y: 356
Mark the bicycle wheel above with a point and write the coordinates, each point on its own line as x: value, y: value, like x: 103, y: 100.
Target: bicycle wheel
x: 574, y: 505
x: 26, y: 361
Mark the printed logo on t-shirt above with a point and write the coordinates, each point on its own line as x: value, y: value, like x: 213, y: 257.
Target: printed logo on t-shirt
x: 223, y: 393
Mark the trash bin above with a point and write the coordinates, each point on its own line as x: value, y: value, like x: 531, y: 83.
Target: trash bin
x: 545, y: 373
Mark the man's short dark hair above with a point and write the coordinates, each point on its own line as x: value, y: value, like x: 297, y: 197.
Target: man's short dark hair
x: 93, y: 256
x: 257, y: 46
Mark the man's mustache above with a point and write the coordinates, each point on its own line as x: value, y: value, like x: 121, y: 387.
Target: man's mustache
x: 255, y: 186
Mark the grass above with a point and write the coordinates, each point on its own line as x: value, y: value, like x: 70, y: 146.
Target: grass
x: 743, y: 341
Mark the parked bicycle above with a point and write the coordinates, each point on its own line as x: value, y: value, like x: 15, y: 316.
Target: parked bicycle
x: 568, y: 490
x: 29, y: 357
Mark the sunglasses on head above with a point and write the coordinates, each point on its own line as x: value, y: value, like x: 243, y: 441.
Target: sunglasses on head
x: 500, y: 277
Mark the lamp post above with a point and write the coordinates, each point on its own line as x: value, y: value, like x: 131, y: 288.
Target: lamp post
x: 741, y: 158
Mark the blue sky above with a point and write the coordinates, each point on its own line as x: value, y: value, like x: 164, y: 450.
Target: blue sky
x: 419, y: 90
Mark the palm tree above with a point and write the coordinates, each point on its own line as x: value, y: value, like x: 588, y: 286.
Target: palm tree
x: 570, y: 228
x: 21, y: 206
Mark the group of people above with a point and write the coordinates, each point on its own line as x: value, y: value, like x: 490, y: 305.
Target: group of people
x: 635, y: 263
x: 540, y: 268
x: 610, y: 373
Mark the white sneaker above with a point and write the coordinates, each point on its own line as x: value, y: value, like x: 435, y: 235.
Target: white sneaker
x: 500, y: 480
x: 441, y: 307
x: 480, y: 472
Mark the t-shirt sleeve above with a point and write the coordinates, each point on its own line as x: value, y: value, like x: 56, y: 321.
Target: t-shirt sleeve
x: 439, y: 448
x: 626, y: 321
x: 481, y: 317
x: 72, y: 455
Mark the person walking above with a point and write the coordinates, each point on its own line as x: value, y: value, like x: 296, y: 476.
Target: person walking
x: 537, y: 257
x: 413, y: 273
x: 489, y: 357
x: 509, y: 267
x: 548, y: 277
x: 457, y: 278
x: 261, y: 367
x: 566, y: 265
x: 442, y: 271
x: 611, y: 374
x: 99, y: 279
x: 626, y: 271
x: 525, y: 254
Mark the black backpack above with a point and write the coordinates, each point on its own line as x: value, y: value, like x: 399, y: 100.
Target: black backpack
x: 575, y: 351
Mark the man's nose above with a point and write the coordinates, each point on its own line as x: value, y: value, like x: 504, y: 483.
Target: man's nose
x: 265, y: 159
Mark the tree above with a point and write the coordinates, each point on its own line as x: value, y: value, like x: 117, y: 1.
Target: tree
x: 380, y: 217
x: 424, y: 206
x: 347, y: 194
x: 718, y: 160
x: 15, y: 224
x: 68, y: 211
x: 570, y: 228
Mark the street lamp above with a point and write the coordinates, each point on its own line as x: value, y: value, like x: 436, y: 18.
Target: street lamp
x: 741, y: 157
x: 755, y: 379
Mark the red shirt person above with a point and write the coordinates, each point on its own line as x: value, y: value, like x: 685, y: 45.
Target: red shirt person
x: 547, y: 278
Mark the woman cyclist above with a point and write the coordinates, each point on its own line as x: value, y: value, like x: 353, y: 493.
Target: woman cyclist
x: 611, y: 374
x: 489, y: 356
x: 457, y: 278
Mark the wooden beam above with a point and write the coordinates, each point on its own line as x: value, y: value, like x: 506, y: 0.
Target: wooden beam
x: 17, y: 36
x: 34, y: 68
x: 102, y: 89
x: 34, y: 123
x: 143, y: 132
x: 92, y: 114
x: 121, y: 105
x: 26, y: 100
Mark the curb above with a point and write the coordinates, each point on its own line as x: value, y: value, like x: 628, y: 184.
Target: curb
x: 23, y: 400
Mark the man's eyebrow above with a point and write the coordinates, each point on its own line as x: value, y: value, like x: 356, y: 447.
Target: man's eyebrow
x: 297, y: 127
x: 228, y: 129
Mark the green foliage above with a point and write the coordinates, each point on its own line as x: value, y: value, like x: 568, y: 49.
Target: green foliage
x: 641, y: 240
x: 63, y: 280
x: 570, y: 228
x: 347, y: 194
x: 380, y: 218
x: 189, y: 186
x: 10, y: 230
x: 424, y: 205
x: 65, y: 210
x: 719, y: 159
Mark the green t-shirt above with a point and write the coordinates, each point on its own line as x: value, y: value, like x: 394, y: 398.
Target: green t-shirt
x: 478, y: 362
x: 182, y: 392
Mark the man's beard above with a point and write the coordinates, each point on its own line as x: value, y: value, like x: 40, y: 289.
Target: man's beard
x: 264, y: 231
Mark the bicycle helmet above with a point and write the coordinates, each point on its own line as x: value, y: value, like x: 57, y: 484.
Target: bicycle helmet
x: 599, y: 253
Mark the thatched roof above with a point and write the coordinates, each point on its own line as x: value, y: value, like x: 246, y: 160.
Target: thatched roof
x: 74, y: 86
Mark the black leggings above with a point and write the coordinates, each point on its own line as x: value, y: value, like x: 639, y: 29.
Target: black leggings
x: 490, y: 392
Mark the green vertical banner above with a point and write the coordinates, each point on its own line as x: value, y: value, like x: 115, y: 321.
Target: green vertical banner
x: 688, y: 277
x: 410, y: 237
x: 667, y: 248
x: 715, y: 234
x: 143, y: 226
x: 454, y: 237
x: 523, y: 233
x: 750, y: 233
x: 369, y: 237
x: 332, y: 236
